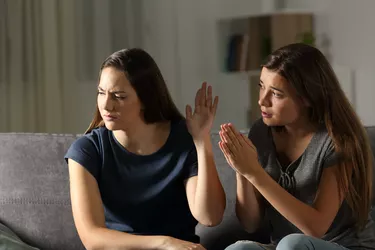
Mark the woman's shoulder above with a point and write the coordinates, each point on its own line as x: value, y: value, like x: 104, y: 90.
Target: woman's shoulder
x: 322, y: 144
x: 180, y: 136
x: 92, y: 139
x: 180, y: 128
x: 258, y: 131
x: 97, y: 132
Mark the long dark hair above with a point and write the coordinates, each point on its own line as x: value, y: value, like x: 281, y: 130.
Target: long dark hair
x: 145, y: 77
x: 309, y: 72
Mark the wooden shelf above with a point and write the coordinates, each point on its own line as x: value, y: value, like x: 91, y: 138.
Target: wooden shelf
x: 244, y: 42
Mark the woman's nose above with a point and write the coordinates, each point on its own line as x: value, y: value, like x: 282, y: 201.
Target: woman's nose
x: 107, y: 103
x: 263, y: 99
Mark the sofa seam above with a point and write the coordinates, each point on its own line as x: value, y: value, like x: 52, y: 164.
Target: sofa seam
x: 30, y: 201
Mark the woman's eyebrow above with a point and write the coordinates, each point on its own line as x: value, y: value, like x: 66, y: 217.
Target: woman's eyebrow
x: 272, y: 87
x: 114, y: 92
x: 277, y: 89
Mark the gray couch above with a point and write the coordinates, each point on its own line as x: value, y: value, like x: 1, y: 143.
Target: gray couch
x: 34, y: 193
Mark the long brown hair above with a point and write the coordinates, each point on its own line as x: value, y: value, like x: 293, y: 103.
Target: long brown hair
x: 310, y: 73
x: 145, y: 77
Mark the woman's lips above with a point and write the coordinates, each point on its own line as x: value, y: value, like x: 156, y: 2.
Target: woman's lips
x: 266, y: 115
x: 109, y: 117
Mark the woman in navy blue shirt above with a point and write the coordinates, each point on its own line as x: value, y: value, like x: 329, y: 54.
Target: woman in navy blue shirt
x: 142, y: 176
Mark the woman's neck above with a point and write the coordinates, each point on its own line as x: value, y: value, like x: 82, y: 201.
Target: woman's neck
x: 144, y: 139
x: 300, y: 128
x: 299, y: 132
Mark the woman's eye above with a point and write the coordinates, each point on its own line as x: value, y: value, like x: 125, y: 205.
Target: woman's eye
x: 120, y: 97
x: 100, y: 93
x: 277, y: 95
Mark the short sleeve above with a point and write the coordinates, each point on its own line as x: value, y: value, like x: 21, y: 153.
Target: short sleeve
x: 257, y: 131
x: 191, y: 164
x: 331, y: 157
x: 85, y: 151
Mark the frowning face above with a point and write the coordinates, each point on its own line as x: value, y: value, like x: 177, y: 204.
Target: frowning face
x: 118, y: 103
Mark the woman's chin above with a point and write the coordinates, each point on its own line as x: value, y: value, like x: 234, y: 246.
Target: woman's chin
x: 271, y: 122
x: 111, y: 126
x: 268, y: 122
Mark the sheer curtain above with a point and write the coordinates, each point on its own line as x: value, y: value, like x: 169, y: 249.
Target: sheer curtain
x: 51, y: 51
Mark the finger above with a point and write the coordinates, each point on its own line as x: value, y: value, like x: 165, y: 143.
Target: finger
x: 223, y: 149
x: 189, y: 112
x: 221, y: 133
x: 223, y: 136
x: 209, y: 97
x: 203, y: 94
x: 197, y: 98
x: 214, y: 106
x: 232, y: 146
x: 234, y: 132
x: 225, y: 155
x: 247, y: 141
x: 233, y: 129
x: 227, y: 150
x: 232, y: 135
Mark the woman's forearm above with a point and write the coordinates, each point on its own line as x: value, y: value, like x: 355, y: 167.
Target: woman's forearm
x: 104, y: 238
x: 305, y: 217
x: 209, y: 202
x: 249, y: 211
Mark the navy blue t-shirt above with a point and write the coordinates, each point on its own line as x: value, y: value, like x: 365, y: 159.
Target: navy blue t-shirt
x: 142, y: 194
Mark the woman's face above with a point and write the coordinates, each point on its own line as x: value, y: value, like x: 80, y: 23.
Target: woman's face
x: 278, y: 100
x: 118, y: 103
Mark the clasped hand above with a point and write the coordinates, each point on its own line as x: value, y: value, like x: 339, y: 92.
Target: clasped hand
x: 239, y: 151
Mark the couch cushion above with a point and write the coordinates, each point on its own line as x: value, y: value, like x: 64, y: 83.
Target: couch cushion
x: 34, y: 190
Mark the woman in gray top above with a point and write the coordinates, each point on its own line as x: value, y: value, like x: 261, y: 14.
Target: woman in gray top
x: 306, y: 167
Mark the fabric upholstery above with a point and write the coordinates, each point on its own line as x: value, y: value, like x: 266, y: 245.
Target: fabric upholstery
x: 35, y: 201
x: 34, y: 190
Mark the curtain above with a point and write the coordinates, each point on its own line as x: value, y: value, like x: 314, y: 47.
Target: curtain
x: 50, y: 54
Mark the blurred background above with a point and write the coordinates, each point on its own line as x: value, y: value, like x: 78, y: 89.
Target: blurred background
x: 51, y: 51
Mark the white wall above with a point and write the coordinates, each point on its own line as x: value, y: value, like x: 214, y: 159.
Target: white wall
x: 159, y: 38
x: 350, y: 28
x: 182, y: 36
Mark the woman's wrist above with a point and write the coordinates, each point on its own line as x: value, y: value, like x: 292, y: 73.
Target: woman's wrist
x: 202, y: 142
x: 159, y: 242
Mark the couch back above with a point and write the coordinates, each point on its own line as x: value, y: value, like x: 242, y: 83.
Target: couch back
x: 34, y: 193
x: 34, y: 190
